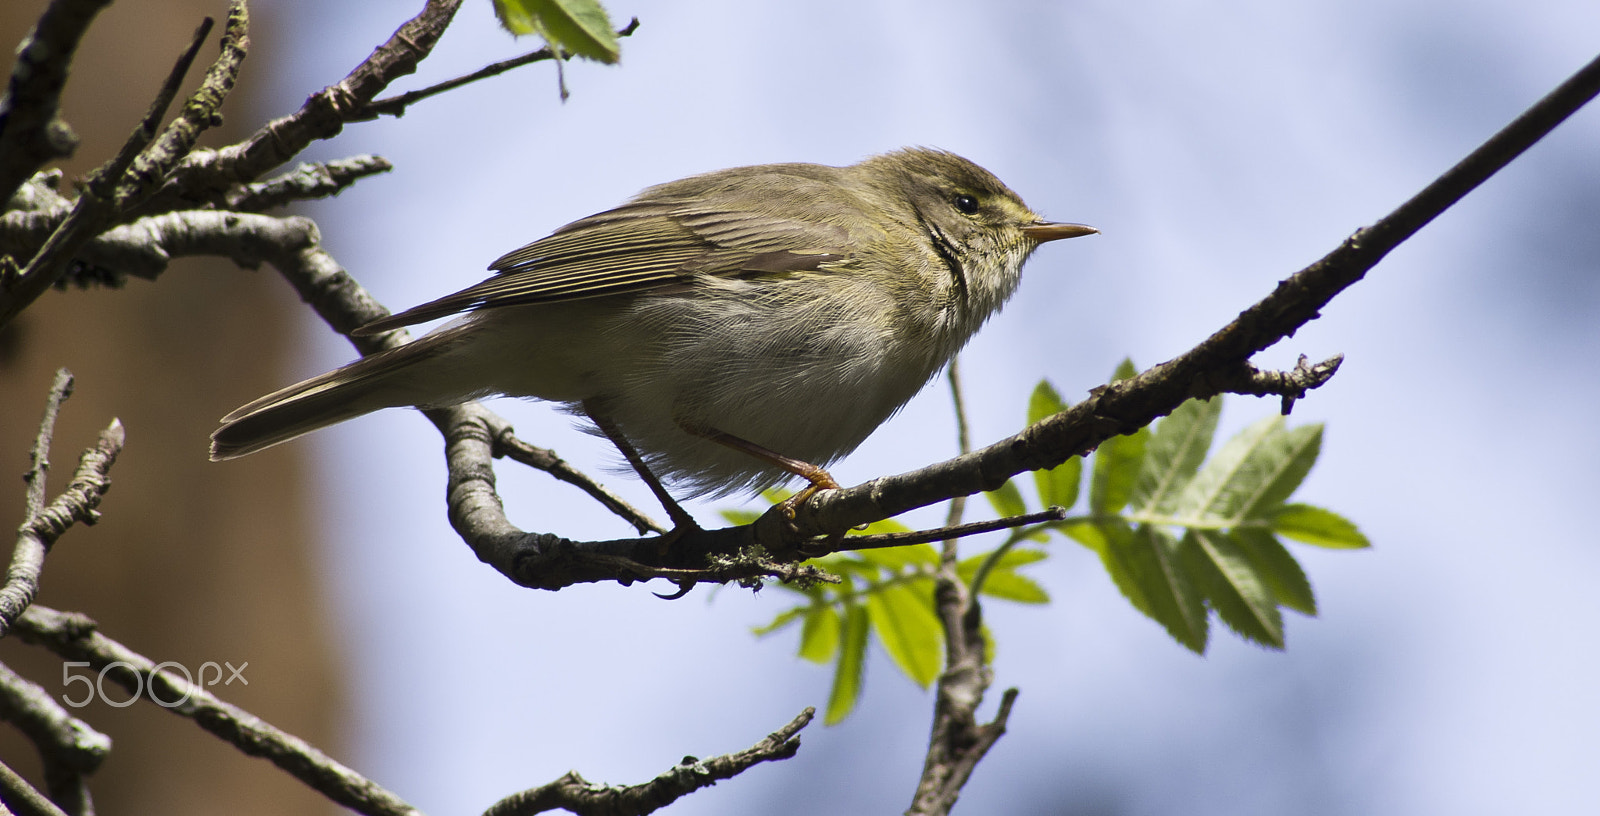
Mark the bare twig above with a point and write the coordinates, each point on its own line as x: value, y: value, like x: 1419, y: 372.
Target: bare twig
x: 31, y: 131
x: 74, y: 637
x: 202, y: 178
x: 573, y: 793
x: 306, y: 182
x: 199, y: 114
x: 97, y: 205
x: 507, y: 445
x: 44, y: 524
x: 396, y: 105
x: 22, y: 796
x: 69, y: 747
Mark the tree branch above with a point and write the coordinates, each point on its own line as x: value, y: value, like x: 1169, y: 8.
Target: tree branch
x: 396, y: 105
x: 42, y: 525
x: 573, y: 793
x: 98, y: 205
x: 74, y: 637
x: 204, y: 177
x: 1128, y: 405
x: 31, y: 132
x: 69, y: 747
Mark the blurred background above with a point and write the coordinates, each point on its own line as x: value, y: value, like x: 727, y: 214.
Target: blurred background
x: 1219, y: 147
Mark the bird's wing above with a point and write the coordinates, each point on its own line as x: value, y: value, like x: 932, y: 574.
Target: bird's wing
x: 640, y: 246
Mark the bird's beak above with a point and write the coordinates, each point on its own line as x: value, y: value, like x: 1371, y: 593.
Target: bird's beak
x: 1042, y: 231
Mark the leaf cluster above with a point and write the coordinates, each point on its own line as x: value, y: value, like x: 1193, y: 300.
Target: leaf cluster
x: 1181, y: 535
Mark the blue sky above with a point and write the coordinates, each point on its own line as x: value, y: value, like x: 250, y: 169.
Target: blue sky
x: 1220, y: 147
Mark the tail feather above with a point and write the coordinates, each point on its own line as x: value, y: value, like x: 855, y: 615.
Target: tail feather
x: 388, y: 379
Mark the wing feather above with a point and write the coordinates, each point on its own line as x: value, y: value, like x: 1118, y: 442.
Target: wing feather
x: 661, y: 240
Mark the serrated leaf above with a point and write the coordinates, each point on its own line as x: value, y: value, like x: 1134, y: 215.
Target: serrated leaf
x: 904, y: 622
x: 1233, y: 587
x: 1044, y: 402
x: 895, y: 559
x: 1116, y: 470
x: 1089, y: 535
x: 1011, y: 586
x: 1252, y: 474
x: 1144, y: 565
x: 819, y: 637
x: 1010, y: 559
x: 578, y: 27
x: 1007, y: 500
x: 1177, y: 447
x: 1278, y: 568
x: 784, y: 619
x: 1059, y: 485
x: 850, y: 669
x: 1314, y: 525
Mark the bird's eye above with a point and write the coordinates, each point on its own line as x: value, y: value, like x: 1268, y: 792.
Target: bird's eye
x: 966, y: 204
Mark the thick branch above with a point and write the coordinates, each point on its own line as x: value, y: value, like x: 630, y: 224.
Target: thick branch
x: 573, y: 793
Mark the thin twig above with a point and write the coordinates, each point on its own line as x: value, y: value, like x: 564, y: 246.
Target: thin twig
x: 314, y: 180
x: 31, y: 131
x: 202, y: 178
x: 69, y: 748
x: 23, y: 797
x: 396, y: 105
x: 96, y: 206
x: 950, y: 533
x: 78, y: 502
x: 574, y: 793
x: 74, y: 637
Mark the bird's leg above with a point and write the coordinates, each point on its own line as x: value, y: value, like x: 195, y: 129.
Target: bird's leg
x: 820, y: 479
x: 681, y: 520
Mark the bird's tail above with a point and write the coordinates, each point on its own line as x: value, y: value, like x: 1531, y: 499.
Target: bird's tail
x: 420, y: 373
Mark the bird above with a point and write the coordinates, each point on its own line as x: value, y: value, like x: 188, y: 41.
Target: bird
x: 728, y: 331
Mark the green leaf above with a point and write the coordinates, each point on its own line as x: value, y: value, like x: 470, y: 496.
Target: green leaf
x: 1059, y: 485
x: 1177, y: 447
x: 850, y: 670
x: 1012, y: 586
x: 1278, y: 568
x: 880, y: 527
x: 1044, y: 402
x: 904, y: 622
x: 784, y: 619
x: 1116, y: 470
x: 1010, y: 559
x: 1240, y: 595
x: 819, y: 637
x: 1252, y: 474
x: 1314, y: 525
x: 578, y: 27
x: 740, y: 518
x: 1144, y: 565
x: 1007, y: 500
x: 896, y: 559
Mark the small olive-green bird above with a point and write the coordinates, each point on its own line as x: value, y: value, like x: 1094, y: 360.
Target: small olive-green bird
x: 727, y: 331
